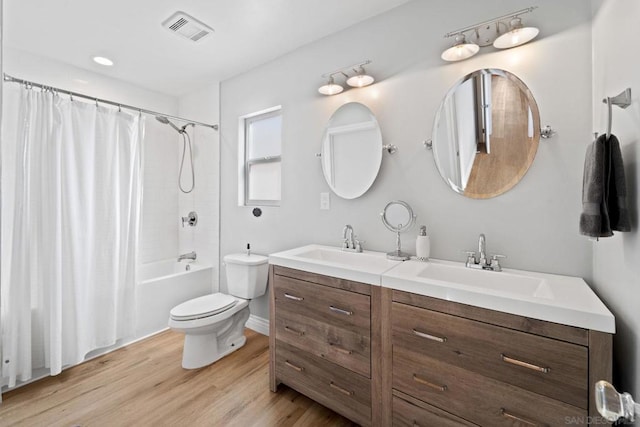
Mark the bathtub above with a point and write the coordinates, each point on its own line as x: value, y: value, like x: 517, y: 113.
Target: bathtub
x: 164, y: 284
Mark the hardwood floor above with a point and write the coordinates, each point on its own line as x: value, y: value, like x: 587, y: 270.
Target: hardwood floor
x: 144, y: 385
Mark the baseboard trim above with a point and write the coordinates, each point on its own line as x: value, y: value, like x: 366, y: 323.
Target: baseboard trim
x: 258, y: 324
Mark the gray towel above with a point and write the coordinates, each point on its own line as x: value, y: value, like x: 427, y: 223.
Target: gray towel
x: 604, y: 191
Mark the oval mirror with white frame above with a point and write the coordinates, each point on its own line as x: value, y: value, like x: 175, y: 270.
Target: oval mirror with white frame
x: 398, y: 216
x: 486, y: 133
x: 351, y: 150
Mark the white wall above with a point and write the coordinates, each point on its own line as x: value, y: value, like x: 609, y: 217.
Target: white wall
x: 535, y: 224
x: 203, y: 105
x: 616, y: 260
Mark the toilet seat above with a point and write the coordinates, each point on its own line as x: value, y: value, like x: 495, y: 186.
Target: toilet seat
x: 204, y: 306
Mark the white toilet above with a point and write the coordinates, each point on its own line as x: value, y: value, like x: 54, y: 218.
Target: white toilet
x: 214, y: 324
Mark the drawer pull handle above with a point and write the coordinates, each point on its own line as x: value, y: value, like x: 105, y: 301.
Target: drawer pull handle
x: 293, y: 331
x: 293, y: 297
x: 429, y: 384
x: 517, y: 362
x: 429, y: 337
x: 340, y: 349
x: 340, y: 389
x: 292, y: 366
x: 341, y: 311
x: 519, y: 419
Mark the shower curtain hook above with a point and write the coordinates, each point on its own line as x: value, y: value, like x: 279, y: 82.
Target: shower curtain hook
x: 97, y: 102
x: 119, y: 108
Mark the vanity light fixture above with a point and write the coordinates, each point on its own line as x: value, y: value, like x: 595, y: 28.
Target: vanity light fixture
x: 516, y: 36
x: 460, y: 50
x: 359, y: 79
x: 503, y: 32
x: 331, y: 88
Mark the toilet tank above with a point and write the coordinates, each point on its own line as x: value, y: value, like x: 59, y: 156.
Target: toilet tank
x: 246, y: 275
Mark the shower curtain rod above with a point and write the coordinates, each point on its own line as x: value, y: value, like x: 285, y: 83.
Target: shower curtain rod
x: 11, y: 79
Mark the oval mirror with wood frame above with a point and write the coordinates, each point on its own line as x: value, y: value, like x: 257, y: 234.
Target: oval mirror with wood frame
x: 486, y: 133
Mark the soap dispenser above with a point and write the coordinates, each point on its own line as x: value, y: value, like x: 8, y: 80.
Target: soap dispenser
x: 423, y: 245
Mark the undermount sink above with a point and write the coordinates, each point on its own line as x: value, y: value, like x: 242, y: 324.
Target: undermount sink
x: 366, y: 267
x: 501, y: 282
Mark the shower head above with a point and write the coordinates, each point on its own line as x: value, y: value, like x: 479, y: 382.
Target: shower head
x: 165, y: 120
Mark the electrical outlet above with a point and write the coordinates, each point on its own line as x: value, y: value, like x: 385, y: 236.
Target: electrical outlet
x: 325, y: 201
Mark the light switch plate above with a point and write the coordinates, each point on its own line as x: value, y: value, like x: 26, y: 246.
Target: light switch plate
x: 325, y: 201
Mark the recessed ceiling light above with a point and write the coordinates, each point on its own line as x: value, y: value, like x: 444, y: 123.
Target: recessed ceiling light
x: 103, y: 61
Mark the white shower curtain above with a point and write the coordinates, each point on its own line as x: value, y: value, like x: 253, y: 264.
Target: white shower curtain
x: 71, y: 182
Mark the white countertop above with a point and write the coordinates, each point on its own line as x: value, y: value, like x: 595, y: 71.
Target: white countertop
x: 554, y: 298
x: 560, y: 299
x: 365, y: 267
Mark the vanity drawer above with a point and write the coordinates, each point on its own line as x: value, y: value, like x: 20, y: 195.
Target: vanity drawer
x: 343, y: 309
x: 477, y: 398
x: 332, y: 386
x: 543, y: 365
x: 342, y: 346
x: 420, y: 414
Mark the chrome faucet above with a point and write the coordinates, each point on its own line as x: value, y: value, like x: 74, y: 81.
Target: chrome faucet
x: 482, y: 263
x: 191, y: 255
x: 349, y: 241
x: 482, y: 246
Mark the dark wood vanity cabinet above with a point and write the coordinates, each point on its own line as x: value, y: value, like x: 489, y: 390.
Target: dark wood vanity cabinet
x: 320, y: 340
x: 385, y: 357
x: 481, y: 367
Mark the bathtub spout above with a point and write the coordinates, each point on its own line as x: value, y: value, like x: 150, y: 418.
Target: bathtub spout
x: 191, y: 255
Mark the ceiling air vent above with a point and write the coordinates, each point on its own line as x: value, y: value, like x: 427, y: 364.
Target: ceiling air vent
x: 187, y: 26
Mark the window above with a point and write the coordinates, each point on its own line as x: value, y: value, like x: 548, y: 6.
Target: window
x: 261, y: 167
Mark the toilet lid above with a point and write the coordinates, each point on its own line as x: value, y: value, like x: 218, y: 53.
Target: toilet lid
x: 245, y: 259
x: 204, y: 306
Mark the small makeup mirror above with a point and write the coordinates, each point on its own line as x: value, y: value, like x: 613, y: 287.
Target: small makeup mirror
x: 398, y: 216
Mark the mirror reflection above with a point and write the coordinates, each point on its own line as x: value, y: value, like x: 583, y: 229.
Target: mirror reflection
x: 351, y: 150
x: 486, y: 133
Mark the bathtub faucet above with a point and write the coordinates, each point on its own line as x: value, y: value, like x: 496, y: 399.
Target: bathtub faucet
x: 191, y: 255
